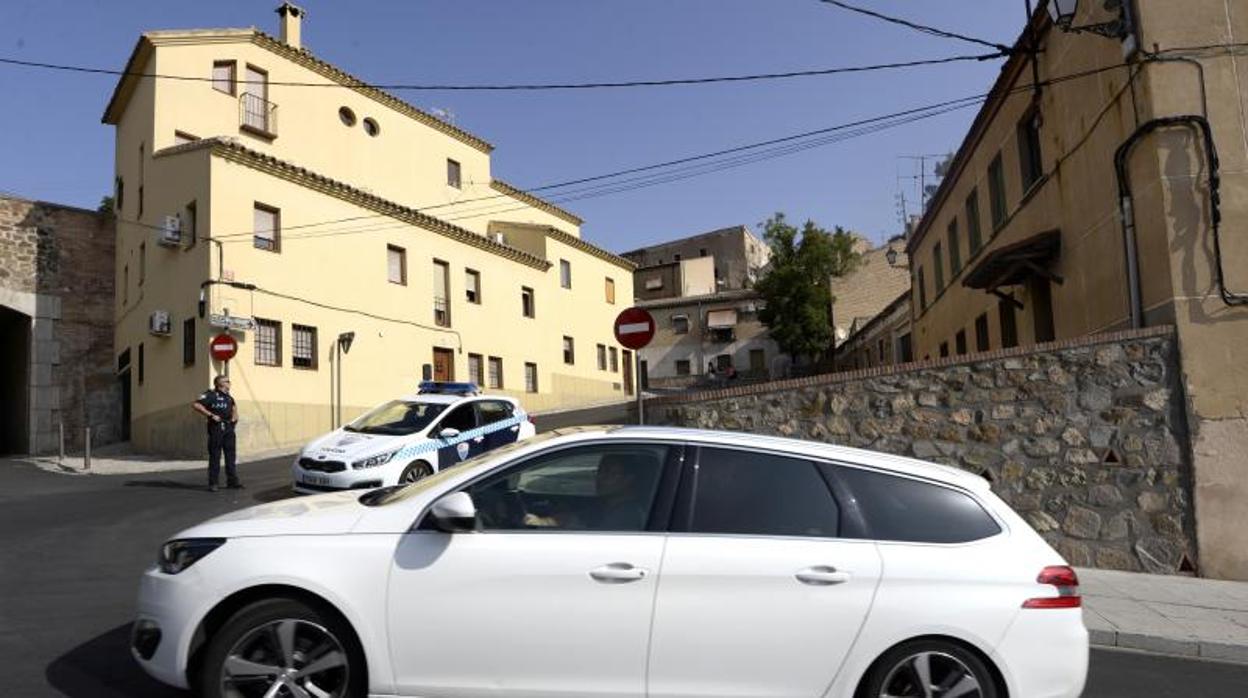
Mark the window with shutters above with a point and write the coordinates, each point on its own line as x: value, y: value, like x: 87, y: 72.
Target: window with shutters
x: 973, y: 236
x: 472, y: 286
x: 266, y: 227
x: 441, y: 293
x: 981, y: 333
x: 526, y: 302
x: 476, y: 369
x: 496, y: 372
x: 268, y: 342
x: 453, y: 178
x: 530, y: 378
x: 303, y: 347
x: 565, y: 273
x: 223, y: 76
x: 615, y: 359
x: 602, y: 357
x: 569, y: 351
x: 396, y: 264
x: 955, y: 249
x: 996, y: 192
x: 938, y: 267
x: 610, y: 290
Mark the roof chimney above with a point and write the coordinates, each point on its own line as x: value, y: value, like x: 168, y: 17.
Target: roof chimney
x: 292, y: 18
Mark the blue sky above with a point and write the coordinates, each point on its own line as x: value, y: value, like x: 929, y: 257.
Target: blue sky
x: 54, y: 147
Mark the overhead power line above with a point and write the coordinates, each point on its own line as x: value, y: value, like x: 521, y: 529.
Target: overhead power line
x: 659, y: 178
x: 896, y: 65
x: 1002, y: 49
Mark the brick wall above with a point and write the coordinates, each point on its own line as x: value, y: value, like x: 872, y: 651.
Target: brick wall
x: 1086, y: 438
x: 56, y: 267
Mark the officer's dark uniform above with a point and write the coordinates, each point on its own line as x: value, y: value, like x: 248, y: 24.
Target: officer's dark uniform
x: 220, y: 436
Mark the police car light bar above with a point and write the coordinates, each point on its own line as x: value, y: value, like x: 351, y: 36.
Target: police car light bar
x: 447, y: 388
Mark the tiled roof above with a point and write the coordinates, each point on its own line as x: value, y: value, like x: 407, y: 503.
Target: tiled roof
x: 499, y: 185
x: 234, y: 151
x: 146, y: 42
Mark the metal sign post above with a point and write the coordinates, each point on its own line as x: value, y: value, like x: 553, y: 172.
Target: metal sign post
x: 634, y: 328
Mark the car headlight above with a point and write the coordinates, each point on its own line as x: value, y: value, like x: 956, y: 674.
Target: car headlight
x: 373, y: 461
x: 177, y: 555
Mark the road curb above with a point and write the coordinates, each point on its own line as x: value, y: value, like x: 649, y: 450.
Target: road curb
x: 1178, y: 647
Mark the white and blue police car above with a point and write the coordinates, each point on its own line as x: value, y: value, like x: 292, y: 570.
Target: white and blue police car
x: 406, y: 439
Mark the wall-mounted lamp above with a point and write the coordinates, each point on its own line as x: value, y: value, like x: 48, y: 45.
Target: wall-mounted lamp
x: 1063, y: 13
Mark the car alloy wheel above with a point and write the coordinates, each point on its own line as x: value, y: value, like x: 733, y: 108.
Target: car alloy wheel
x: 931, y: 674
x: 288, y: 657
x: 414, y: 472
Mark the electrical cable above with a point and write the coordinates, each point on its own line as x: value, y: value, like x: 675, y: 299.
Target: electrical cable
x: 679, y: 161
x: 532, y: 87
x: 923, y: 28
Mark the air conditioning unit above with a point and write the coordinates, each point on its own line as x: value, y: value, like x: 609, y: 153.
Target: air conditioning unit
x: 158, y: 323
x: 171, y: 231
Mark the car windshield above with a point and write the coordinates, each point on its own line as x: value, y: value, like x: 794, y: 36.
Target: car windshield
x: 389, y: 495
x: 397, y: 418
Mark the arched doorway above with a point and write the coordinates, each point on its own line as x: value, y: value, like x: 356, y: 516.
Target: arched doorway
x: 14, y: 382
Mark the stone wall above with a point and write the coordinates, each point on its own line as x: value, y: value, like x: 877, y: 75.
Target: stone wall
x: 56, y: 268
x: 1086, y: 438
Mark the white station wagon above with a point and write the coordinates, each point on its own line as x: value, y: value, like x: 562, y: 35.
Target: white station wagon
x: 404, y: 440
x: 624, y: 562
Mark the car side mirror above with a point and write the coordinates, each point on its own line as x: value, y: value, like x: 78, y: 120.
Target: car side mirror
x: 448, y: 433
x: 454, y: 513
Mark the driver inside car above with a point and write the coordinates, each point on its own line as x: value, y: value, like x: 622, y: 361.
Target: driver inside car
x: 620, y: 500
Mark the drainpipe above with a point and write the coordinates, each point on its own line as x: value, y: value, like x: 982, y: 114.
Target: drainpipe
x: 1126, y: 206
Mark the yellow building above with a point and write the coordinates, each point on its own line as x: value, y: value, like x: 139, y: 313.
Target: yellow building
x: 1113, y: 196
x: 304, y: 212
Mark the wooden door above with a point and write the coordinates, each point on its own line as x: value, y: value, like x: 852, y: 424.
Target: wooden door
x: 443, y: 365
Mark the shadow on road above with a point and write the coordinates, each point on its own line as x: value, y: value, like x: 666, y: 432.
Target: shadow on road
x: 102, y: 668
x: 165, y: 484
x: 274, y: 494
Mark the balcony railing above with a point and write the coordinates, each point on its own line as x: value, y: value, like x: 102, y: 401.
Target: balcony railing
x: 258, y: 115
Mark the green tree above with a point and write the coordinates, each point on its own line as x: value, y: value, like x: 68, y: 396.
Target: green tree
x: 106, y: 206
x: 795, y: 289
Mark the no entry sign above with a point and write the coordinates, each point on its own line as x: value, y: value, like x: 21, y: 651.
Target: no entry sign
x: 634, y: 328
x: 223, y: 347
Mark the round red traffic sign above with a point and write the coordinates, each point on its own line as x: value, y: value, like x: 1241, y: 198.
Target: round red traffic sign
x: 223, y: 347
x: 634, y: 328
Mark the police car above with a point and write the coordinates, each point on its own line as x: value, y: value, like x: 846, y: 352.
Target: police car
x: 404, y: 440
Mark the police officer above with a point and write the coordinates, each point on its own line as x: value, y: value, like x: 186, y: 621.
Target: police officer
x: 222, y: 414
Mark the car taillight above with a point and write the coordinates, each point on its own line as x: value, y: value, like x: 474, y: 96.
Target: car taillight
x: 1067, y: 583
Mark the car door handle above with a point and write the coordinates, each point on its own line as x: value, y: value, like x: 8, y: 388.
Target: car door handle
x: 821, y: 575
x: 618, y: 573
x: 478, y: 440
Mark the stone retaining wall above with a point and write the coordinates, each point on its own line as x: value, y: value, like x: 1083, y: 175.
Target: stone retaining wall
x: 1087, y: 438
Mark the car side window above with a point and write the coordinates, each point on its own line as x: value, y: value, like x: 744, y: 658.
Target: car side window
x: 491, y: 411
x: 749, y: 493
x: 588, y: 488
x: 462, y: 418
x: 905, y: 510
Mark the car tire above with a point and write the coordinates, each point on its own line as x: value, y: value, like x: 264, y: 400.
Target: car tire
x: 415, y: 472
x: 277, y: 640
x: 946, y: 665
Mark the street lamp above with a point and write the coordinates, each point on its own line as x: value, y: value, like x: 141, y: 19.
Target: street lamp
x: 891, y: 256
x: 1063, y: 13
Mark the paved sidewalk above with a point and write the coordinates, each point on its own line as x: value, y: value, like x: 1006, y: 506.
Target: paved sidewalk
x: 1170, y: 615
x: 119, y: 459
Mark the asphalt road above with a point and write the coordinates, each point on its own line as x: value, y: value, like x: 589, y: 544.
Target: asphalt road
x: 72, y: 549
